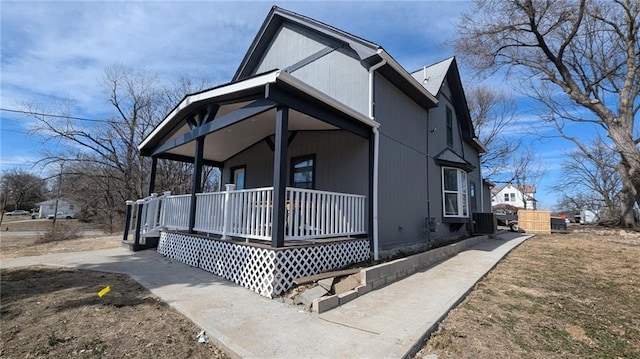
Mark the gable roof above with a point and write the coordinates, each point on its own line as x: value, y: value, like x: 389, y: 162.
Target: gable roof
x: 432, y: 78
x: 369, y: 53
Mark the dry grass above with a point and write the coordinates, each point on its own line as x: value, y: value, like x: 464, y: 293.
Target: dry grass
x: 555, y: 296
x: 36, y: 237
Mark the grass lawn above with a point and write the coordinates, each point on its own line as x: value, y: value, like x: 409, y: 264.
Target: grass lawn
x: 556, y: 296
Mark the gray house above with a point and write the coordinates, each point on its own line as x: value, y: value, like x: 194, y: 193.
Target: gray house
x: 331, y: 154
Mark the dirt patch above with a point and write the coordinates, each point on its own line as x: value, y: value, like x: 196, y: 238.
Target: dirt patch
x: 556, y: 296
x: 56, y: 313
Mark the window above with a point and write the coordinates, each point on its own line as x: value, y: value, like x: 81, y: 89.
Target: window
x: 454, y: 184
x: 449, y: 127
x: 303, y: 172
x: 238, y: 176
x: 513, y: 197
x: 506, y: 197
x: 71, y: 207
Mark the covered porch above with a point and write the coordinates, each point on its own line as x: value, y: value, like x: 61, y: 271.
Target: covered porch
x: 293, y: 217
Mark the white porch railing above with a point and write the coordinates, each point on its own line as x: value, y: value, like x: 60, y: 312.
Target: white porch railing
x: 321, y: 214
x: 249, y: 213
x: 175, y: 214
x: 210, y: 212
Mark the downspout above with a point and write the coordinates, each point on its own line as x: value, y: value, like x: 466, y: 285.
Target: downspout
x: 481, y: 183
x: 376, y: 146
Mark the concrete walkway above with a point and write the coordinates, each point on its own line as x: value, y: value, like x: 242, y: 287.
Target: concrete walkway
x: 387, y: 323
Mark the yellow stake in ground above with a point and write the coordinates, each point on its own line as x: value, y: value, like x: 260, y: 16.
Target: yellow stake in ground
x: 104, y: 291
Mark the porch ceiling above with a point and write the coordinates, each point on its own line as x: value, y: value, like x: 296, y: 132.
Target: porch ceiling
x: 223, y: 144
x: 234, y: 116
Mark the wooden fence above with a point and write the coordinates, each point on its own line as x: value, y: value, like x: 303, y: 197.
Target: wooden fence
x: 532, y: 221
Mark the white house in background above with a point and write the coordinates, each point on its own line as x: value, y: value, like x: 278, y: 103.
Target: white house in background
x: 64, y: 206
x: 517, y: 196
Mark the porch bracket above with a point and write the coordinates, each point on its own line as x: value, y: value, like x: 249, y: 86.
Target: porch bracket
x: 279, y: 176
x: 314, y: 110
x: 255, y: 108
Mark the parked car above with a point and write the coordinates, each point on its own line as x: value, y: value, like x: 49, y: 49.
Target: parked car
x: 62, y: 215
x: 18, y: 212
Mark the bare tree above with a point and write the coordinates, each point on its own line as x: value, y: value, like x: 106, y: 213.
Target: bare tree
x: 587, y: 52
x: 492, y: 113
x: 527, y: 169
x: 21, y: 189
x: 103, y: 167
x: 594, y: 177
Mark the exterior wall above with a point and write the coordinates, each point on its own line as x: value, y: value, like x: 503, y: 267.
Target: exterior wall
x: 48, y: 207
x: 342, y: 161
x: 474, y: 178
x: 402, y: 196
x: 338, y: 74
x: 410, y: 181
x: 290, y: 45
x: 437, y: 143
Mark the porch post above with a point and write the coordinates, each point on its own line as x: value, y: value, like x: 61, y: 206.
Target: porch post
x: 136, y: 237
x: 152, y: 176
x: 196, y: 181
x: 280, y: 176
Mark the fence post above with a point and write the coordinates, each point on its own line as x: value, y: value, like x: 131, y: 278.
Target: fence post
x: 127, y: 221
x: 225, y: 214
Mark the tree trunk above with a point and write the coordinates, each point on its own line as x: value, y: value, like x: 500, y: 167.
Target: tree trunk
x: 629, y: 169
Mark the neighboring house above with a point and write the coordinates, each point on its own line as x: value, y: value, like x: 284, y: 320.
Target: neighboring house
x: 332, y: 154
x: 517, y: 196
x: 64, y: 206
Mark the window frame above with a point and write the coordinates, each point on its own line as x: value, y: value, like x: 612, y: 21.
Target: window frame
x: 298, y: 159
x: 449, y: 126
x: 461, y: 192
x: 232, y: 180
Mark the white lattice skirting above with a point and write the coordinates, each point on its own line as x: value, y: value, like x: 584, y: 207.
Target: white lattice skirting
x: 266, y: 271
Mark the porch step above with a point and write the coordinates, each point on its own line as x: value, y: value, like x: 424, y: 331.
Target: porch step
x: 145, y: 243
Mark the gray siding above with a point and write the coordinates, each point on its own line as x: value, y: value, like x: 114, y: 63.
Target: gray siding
x: 290, y: 45
x: 341, y: 161
x: 338, y: 74
x: 402, y: 196
x: 410, y: 181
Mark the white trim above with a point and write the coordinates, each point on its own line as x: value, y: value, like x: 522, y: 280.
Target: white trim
x: 459, y: 193
x: 376, y: 150
x: 262, y: 80
x: 407, y: 76
x: 219, y: 91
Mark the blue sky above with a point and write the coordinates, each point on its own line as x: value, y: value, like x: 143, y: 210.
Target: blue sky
x: 52, y: 50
